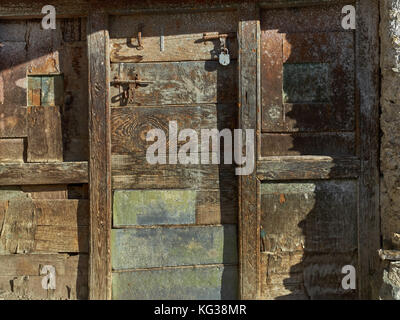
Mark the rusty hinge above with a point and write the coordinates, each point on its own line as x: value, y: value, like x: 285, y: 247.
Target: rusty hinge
x: 129, y: 86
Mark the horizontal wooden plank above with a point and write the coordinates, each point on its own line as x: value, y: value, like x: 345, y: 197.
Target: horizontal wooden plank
x: 44, y: 226
x: 176, y: 83
x: 314, y: 216
x: 154, y: 207
x: 51, y: 239
x: 130, y: 172
x: 176, y: 48
x: 29, y: 264
x: 43, y: 173
x: 29, y: 9
x: 325, y: 17
x: 130, y: 125
x: 66, y: 213
x: 320, y: 144
x: 173, y: 246
x: 21, y: 279
x: 146, y: 207
x: 300, y: 276
x: 12, y: 150
x: 302, y: 167
x: 173, y: 23
x: 190, y: 283
x: 54, y: 192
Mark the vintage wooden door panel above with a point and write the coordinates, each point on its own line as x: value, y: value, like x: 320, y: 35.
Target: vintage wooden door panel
x: 174, y: 225
x: 312, y: 202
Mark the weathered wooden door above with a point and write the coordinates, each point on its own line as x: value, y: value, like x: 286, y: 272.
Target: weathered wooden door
x: 309, y: 88
x: 174, y: 224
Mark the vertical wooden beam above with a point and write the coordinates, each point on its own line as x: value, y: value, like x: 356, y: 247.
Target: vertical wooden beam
x: 100, y: 155
x: 367, y: 39
x: 249, y: 213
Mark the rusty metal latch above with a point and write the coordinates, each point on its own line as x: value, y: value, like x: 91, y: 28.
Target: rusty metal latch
x: 129, y: 86
x: 223, y: 57
x: 139, y: 37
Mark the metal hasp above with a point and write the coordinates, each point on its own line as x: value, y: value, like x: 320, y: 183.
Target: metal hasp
x: 223, y: 57
x: 129, y: 86
x: 139, y: 37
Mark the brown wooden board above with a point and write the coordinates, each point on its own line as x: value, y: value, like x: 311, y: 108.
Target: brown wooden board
x: 13, y: 121
x: 181, y: 47
x: 100, y: 152
x: 50, y: 226
x: 301, y: 167
x: 21, y: 279
x: 53, y: 192
x: 319, y: 144
x: 12, y: 150
x: 44, y: 134
x: 175, y: 83
x: 368, y: 84
x: 173, y: 23
x: 291, y: 276
x: 130, y: 125
x: 12, y: 174
x: 130, y: 172
x: 249, y: 238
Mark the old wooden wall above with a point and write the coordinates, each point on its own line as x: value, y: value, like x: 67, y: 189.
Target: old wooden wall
x: 43, y: 153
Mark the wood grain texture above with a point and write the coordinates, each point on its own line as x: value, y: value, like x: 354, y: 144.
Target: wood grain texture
x: 12, y: 174
x: 176, y: 83
x: 29, y: 9
x: 50, y: 226
x: 301, y: 168
x: 185, y: 47
x: 130, y: 125
x: 154, y: 247
x: 130, y: 172
x: 13, y: 122
x: 20, y: 277
x: 44, y: 134
x: 341, y: 144
x: 100, y: 150
x: 249, y: 235
x: 367, y: 39
x: 53, y: 192
x: 12, y: 150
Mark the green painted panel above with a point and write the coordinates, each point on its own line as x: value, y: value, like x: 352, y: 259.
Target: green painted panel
x: 47, y: 96
x: 51, y: 89
x: 306, y: 82
x: 154, y: 207
x: 194, y: 283
x: 176, y: 246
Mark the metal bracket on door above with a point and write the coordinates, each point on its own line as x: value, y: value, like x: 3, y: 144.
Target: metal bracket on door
x: 129, y: 86
x: 223, y: 57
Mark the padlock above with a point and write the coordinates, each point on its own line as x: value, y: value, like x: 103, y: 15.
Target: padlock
x: 224, y: 57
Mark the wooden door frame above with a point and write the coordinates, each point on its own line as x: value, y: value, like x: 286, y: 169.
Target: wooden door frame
x: 365, y: 169
x: 100, y: 154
